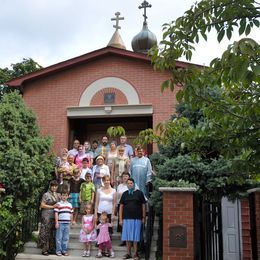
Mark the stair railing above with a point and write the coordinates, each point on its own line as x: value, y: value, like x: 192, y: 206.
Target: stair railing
x: 19, y: 234
x: 149, y: 224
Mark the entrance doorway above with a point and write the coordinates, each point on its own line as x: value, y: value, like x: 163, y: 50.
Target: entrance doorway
x: 90, y: 129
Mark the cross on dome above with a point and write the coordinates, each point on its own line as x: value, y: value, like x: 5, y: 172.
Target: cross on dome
x: 145, y: 5
x: 117, y: 19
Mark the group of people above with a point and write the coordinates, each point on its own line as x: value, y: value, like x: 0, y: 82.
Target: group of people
x: 97, y: 182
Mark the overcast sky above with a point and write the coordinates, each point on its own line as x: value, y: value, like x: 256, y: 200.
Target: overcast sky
x: 51, y: 31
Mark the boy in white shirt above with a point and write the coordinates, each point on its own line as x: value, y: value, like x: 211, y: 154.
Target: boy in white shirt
x: 63, y: 218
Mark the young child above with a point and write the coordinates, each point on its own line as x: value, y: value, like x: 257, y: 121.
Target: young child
x: 63, y: 217
x: 88, y: 233
x: 64, y: 162
x: 61, y: 184
x: 103, y: 238
x: 87, y: 192
x: 59, y: 159
x: 85, y: 168
x: 75, y: 183
x: 64, y: 170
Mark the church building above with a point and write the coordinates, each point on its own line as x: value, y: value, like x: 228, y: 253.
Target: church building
x: 83, y: 96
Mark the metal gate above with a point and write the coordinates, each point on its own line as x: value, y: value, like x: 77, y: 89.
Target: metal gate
x: 208, y: 229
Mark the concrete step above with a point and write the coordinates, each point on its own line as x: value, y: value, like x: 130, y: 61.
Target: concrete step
x: 76, y: 249
x: 74, y: 233
x: 70, y: 257
x: 51, y: 257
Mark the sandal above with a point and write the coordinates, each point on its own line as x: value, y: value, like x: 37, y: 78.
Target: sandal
x: 46, y: 253
x: 136, y: 257
x: 127, y: 256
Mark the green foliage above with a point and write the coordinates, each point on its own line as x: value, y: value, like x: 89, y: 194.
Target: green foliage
x: 223, y: 16
x: 114, y: 131
x: 7, y: 218
x: 226, y: 94
x: 25, y: 161
x: 17, y: 69
x: 24, y: 155
x: 212, y: 142
x: 156, y: 197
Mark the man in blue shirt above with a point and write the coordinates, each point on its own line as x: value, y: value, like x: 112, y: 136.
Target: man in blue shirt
x: 128, y: 148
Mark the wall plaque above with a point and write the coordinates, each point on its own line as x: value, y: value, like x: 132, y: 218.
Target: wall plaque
x: 178, y: 236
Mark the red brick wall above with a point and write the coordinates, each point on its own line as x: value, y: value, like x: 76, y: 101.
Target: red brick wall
x: 49, y: 97
x: 246, y: 237
x: 257, y: 211
x: 178, y: 209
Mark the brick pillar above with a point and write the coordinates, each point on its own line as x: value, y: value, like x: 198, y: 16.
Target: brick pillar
x: 178, y: 223
x: 246, y: 230
x: 256, y: 218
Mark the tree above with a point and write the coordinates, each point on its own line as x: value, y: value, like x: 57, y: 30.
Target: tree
x: 226, y: 92
x: 114, y: 131
x: 24, y: 155
x: 17, y: 69
x: 25, y: 161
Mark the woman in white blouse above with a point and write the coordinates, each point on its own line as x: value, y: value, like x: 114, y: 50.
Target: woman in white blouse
x: 106, y: 200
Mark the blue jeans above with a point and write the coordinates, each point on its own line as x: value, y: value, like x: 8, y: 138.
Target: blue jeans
x: 62, y: 237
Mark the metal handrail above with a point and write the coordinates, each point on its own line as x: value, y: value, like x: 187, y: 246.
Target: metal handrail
x: 149, y: 231
x: 149, y: 224
x: 8, y: 243
x: 19, y: 234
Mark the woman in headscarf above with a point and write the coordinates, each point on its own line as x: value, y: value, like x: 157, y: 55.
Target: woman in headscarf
x: 131, y: 216
x: 46, y: 239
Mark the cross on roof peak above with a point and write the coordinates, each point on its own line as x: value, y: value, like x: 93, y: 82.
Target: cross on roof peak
x: 145, y: 5
x: 117, y: 19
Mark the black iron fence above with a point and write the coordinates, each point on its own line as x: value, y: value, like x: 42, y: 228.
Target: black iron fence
x: 149, y: 231
x: 9, y: 244
x: 20, y: 233
x: 208, y: 229
x: 148, y: 228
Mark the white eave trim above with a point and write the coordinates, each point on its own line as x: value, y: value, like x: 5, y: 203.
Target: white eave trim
x: 109, y: 111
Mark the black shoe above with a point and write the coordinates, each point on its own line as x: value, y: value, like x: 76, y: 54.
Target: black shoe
x: 123, y: 243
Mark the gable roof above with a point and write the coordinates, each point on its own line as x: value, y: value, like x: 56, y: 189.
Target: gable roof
x: 64, y: 65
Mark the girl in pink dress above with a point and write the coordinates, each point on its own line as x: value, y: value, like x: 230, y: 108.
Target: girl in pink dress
x: 103, y: 238
x: 88, y: 232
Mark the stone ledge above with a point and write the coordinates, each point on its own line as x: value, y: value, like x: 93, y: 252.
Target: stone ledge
x: 177, y: 189
x: 253, y: 190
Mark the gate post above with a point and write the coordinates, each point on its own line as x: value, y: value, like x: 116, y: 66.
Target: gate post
x: 178, y: 223
x: 246, y: 229
x: 254, y: 202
